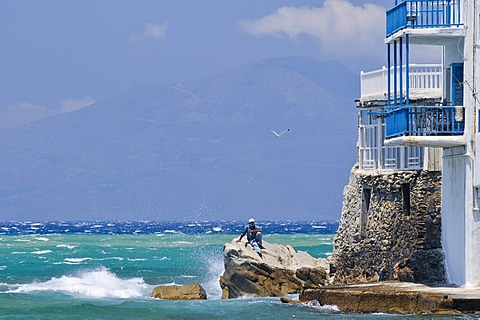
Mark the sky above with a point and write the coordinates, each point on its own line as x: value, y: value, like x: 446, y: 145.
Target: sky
x: 58, y: 55
x: 61, y: 55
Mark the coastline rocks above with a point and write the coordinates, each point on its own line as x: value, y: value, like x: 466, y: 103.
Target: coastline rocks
x: 281, y: 270
x: 173, y: 292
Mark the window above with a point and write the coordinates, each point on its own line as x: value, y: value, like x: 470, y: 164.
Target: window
x: 406, y: 198
x: 366, y: 196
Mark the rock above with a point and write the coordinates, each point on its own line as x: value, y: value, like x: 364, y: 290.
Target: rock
x: 173, y: 292
x: 287, y: 300
x: 280, y: 271
x: 395, y: 297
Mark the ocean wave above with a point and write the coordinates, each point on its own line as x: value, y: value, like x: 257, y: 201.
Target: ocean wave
x: 99, y: 283
x: 164, y: 227
x: 68, y: 246
x: 41, y: 252
x: 325, y: 308
x: 76, y: 260
x: 42, y: 239
x: 172, y: 231
x: 182, y: 242
x: 163, y: 258
x: 216, y: 267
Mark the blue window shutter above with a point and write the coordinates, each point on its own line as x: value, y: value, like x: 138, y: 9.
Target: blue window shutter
x: 457, y: 84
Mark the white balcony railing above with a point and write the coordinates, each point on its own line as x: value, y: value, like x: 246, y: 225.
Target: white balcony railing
x: 426, y: 81
x: 374, y: 155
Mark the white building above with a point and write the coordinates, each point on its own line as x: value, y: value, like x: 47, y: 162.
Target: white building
x: 452, y: 125
x: 426, y: 88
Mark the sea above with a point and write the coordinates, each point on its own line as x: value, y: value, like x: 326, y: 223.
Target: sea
x: 107, y: 270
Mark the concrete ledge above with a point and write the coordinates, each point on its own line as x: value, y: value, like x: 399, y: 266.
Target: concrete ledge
x: 396, y: 297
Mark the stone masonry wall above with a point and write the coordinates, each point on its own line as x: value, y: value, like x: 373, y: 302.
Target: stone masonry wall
x: 399, y: 237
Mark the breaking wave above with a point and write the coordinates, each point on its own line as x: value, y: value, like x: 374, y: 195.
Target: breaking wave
x: 98, y: 283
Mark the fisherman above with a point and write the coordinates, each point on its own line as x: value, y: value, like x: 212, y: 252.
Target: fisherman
x: 254, y: 236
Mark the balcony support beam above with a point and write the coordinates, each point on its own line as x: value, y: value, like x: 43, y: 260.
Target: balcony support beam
x: 389, y: 80
x: 407, y: 69
x: 395, y: 72
x: 400, y: 49
x: 427, y: 141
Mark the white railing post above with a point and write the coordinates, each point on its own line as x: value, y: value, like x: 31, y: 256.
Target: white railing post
x: 422, y: 76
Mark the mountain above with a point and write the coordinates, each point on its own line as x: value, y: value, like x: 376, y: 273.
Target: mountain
x: 192, y: 151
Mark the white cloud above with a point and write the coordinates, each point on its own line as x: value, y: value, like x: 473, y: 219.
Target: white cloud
x: 342, y: 29
x: 68, y: 105
x: 151, y: 30
x: 22, y: 113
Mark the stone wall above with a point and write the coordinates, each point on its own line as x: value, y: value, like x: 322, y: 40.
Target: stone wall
x: 390, y: 228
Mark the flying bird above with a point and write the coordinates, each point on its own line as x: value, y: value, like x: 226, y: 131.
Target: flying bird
x: 279, y: 135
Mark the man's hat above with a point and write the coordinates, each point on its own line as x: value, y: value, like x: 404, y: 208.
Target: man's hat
x: 251, y: 220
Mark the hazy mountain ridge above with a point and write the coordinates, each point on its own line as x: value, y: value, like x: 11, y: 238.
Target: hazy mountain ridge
x: 200, y: 149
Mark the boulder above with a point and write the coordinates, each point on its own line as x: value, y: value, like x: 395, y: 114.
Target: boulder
x: 173, y: 292
x: 279, y: 271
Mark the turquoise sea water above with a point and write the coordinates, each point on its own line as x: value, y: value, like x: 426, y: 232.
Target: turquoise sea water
x: 110, y: 276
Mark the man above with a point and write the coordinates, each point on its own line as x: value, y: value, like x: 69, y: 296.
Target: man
x: 254, y: 236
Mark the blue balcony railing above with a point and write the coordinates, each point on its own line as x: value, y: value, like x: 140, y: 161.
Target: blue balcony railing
x: 424, y: 14
x: 424, y: 121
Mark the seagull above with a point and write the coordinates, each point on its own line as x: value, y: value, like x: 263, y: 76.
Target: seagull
x: 279, y: 135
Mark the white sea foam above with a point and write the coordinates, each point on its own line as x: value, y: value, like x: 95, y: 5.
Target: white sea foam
x: 2, y: 268
x: 326, y: 308
x: 36, y: 224
x: 171, y: 231
x: 215, y: 270
x: 41, y: 251
x: 76, y: 260
x: 182, y: 242
x: 42, y: 239
x: 68, y: 246
x: 109, y: 258
x: 99, y: 283
x: 164, y: 258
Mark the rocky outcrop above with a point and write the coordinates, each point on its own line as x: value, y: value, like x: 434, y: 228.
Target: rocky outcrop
x: 281, y: 270
x: 173, y: 292
x: 390, y: 228
x: 395, y: 297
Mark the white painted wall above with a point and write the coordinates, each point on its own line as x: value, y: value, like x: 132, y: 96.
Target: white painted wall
x: 461, y: 222
x: 472, y: 225
x: 453, y: 213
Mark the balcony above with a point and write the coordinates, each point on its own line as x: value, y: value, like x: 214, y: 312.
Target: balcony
x: 425, y: 82
x: 422, y: 14
x: 436, y: 126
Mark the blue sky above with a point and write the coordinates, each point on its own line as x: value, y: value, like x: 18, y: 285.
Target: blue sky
x: 59, y: 55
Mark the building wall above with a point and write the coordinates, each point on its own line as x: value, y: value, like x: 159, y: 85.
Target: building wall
x: 453, y: 207
x: 396, y: 233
